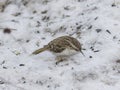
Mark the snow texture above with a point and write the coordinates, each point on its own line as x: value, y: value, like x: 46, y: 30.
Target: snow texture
x: 26, y: 25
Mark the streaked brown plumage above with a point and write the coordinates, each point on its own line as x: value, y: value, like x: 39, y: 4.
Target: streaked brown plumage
x: 62, y: 46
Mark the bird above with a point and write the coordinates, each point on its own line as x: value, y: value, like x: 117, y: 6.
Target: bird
x: 61, y: 47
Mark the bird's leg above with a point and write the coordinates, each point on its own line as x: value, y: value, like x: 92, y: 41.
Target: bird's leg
x: 60, y: 59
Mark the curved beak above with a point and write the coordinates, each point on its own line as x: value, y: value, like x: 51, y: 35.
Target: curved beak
x: 82, y: 53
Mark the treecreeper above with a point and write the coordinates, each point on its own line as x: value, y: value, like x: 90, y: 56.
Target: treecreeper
x: 62, y: 47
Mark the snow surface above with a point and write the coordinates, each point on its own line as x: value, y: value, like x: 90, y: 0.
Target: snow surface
x: 95, y: 23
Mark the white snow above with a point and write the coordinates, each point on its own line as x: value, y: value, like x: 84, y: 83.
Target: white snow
x: 33, y: 23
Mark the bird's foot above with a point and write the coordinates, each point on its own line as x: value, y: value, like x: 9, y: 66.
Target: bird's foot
x: 60, y: 59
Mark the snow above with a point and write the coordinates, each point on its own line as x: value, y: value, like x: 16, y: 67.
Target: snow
x: 33, y: 23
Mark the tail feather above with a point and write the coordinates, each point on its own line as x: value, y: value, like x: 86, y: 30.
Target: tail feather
x: 39, y: 50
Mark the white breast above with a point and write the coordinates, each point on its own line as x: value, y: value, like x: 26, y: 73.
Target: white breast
x: 66, y: 52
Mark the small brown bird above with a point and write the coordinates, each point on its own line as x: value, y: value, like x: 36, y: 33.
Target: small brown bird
x: 63, y: 46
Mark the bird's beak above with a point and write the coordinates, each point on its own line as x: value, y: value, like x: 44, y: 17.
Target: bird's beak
x: 82, y: 53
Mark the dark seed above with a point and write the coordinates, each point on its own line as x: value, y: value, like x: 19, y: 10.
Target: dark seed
x: 113, y: 5
x: 27, y: 41
x: 43, y: 38
x: 66, y: 8
x: 38, y: 31
x: 96, y: 18
x: 90, y: 27
x: 4, y: 67
x: 21, y: 64
x: 72, y: 68
x: 82, y: 13
x: 96, y: 50
x: 48, y: 86
x: 25, y: 3
x: 79, y: 27
x: 92, y: 48
x: 2, y: 62
x: 17, y: 14
x: 43, y: 12
x: 118, y: 61
x: 108, y: 31
x: 24, y: 81
x: 1, y: 82
x: 114, y: 37
x: 14, y: 21
x: 7, y: 30
x: 50, y: 78
x: 45, y: 18
x: 76, y: 23
x: 90, y: 56
x: 98, y: 30
x: 34, y: 11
